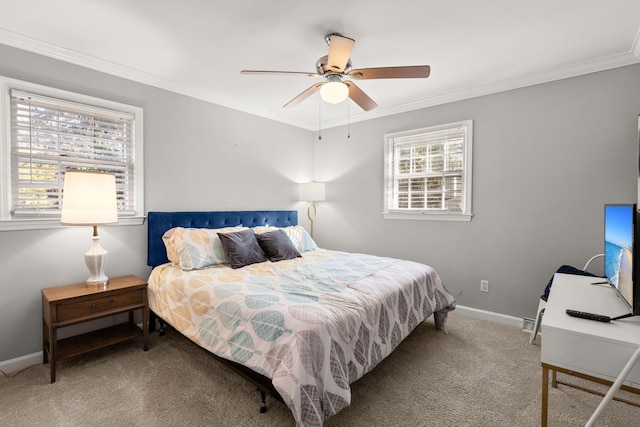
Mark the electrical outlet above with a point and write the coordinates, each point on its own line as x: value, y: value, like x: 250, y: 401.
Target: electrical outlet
x: 484, y: 286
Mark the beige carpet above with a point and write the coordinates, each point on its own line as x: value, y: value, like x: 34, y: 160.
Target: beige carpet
x: 479, y: 374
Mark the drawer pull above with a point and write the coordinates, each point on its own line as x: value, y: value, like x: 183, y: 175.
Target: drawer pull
x: 104, y: 304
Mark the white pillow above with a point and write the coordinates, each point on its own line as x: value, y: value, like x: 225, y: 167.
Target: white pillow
x: 297, y: 234
x: 195, y: 248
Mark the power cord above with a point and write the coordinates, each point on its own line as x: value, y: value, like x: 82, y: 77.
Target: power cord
x: 15, y: 374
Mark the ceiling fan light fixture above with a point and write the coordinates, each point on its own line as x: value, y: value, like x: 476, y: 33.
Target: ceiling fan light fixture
x: 334, y: 92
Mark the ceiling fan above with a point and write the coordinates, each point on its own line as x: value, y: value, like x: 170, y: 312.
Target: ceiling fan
x: 335, y: 68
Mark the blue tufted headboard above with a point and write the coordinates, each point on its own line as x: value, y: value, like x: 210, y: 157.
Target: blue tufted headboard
x: 159, y: 222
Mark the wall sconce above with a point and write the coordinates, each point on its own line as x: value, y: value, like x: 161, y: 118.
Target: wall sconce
x: 89, y: 198
x: 312, y: 192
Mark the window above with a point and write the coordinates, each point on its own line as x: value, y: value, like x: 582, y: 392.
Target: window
x: 49, y: 132
x: 428, y: 173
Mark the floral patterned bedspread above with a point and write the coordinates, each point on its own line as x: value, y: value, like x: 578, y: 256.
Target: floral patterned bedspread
x: 313, y: 325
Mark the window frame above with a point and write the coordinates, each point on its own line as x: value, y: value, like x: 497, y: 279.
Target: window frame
x: 9, y: 222
x: 465, y: 214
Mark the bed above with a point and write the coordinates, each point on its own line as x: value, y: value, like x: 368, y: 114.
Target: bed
x: 301, y: 326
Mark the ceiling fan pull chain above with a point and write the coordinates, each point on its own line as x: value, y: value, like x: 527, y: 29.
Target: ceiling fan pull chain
x: 348, y: 119
x: 319, y: 120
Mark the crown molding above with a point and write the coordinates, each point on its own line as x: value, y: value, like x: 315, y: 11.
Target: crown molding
x: 575, y: 70
x: 67, y: 55
x: 51, y: 50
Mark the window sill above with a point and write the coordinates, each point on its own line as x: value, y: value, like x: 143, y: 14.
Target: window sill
x: 429, y: 216
x: 48, y: 223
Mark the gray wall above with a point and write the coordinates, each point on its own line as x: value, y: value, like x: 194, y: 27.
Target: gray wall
x: 546, y: 158
x: 198, y: 156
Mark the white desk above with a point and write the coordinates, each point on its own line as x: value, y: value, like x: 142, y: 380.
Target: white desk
x: 584, y: 348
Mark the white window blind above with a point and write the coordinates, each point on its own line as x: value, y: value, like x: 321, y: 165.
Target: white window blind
x: 50, y: 136
x: 428, y: 170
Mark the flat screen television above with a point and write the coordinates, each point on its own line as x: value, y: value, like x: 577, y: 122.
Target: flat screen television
x: 621, y: 249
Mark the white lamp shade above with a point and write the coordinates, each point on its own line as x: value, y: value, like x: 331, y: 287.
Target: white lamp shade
x: 334, y: 92
x: 312, y: 192
x: 89, y: 198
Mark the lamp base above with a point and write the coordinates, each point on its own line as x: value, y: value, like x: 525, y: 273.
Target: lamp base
x: 96, y: 261
x: 311, y: 213
x: 98, y: 283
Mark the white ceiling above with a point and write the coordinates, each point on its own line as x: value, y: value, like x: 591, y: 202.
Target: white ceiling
x: 198, y: 47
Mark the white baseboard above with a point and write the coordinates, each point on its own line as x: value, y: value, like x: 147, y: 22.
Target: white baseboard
x: 489, y: 315
x: 19, y: 363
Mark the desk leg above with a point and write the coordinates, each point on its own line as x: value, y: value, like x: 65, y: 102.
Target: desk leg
x: 545, y: 396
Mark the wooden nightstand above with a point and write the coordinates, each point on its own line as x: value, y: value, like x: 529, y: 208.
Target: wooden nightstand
x: 78, y: 303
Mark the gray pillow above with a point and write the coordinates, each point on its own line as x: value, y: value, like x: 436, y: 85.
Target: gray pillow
x: 242, y: 248
x: 277, y: 246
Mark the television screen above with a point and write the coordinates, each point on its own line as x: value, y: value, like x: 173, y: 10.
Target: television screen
x: 619, y: 229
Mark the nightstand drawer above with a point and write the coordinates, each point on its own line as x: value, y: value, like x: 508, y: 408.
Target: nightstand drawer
x: 92, y: 306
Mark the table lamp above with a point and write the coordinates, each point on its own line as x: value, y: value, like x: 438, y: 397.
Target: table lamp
x: 89, y: 198
x: 312, y: 192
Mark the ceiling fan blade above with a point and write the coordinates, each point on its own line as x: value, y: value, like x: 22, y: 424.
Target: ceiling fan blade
x: 288, y: 73
x: 304, y: 95
x: 360, y: 98
x: 415, y: 72
x: 339, y: 52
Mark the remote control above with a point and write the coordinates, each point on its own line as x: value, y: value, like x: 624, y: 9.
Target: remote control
x: 590, y: 316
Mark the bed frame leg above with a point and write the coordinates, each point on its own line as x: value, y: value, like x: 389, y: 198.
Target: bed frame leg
x: 263, y: 404
x: 153, y: 318
x: 152, y: 321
